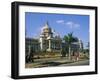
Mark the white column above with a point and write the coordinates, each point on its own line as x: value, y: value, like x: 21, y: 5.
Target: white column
x: 49, y: 45
x: 41, y: 43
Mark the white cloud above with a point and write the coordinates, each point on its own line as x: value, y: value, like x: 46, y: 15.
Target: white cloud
x: 72, y: 24
x: 60, y: 21
x: 69, y: 24
x: 77, y: 25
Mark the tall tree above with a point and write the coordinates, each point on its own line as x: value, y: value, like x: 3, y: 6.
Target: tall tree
x: 69, y: 39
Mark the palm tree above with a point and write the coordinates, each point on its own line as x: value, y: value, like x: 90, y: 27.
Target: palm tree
x: 69, y: 39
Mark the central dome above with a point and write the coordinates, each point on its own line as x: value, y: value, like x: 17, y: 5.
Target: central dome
x: 46, y: 28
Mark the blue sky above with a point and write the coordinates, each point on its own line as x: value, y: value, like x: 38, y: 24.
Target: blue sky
x: 62, y: 24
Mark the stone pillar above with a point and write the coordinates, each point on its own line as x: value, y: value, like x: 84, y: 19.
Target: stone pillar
x: 41, y: 43
x: 49, y: 45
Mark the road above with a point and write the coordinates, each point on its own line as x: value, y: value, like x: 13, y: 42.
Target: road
x: 56, y: 62
x: 84, y: 62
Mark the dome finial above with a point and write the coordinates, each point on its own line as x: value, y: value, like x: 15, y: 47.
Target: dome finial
x: 47, y: 24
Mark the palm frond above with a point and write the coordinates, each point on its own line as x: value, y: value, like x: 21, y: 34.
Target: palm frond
x: 70, y: 38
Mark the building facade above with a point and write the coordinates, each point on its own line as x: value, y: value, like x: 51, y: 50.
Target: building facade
x: 31, y: 45
x: 49, y: 41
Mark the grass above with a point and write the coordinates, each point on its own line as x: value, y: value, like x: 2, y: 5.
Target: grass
x: 47, y: 55
x: 84, y: 56
x: 52, y: 59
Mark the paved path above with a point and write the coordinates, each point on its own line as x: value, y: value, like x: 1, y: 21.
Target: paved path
x: 55, y: 62
x: 84, y: 62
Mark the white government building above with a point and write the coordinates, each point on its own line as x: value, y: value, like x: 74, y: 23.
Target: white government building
x: 48, y: 41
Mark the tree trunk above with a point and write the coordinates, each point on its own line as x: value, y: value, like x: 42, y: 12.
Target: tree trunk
x: 69, y: 56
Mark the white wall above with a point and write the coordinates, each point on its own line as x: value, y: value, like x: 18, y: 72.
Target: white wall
x: 5, y: 40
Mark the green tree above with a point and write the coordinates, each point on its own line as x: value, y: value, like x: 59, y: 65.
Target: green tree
x: 63, y: 52
x: 69, y: 39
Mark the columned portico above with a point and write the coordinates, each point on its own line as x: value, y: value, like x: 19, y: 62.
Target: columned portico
x: 49, y: 49
x: 48, y: 42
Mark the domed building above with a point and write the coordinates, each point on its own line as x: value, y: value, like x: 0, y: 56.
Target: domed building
x: 46, y: 31
x: 49, y: 42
